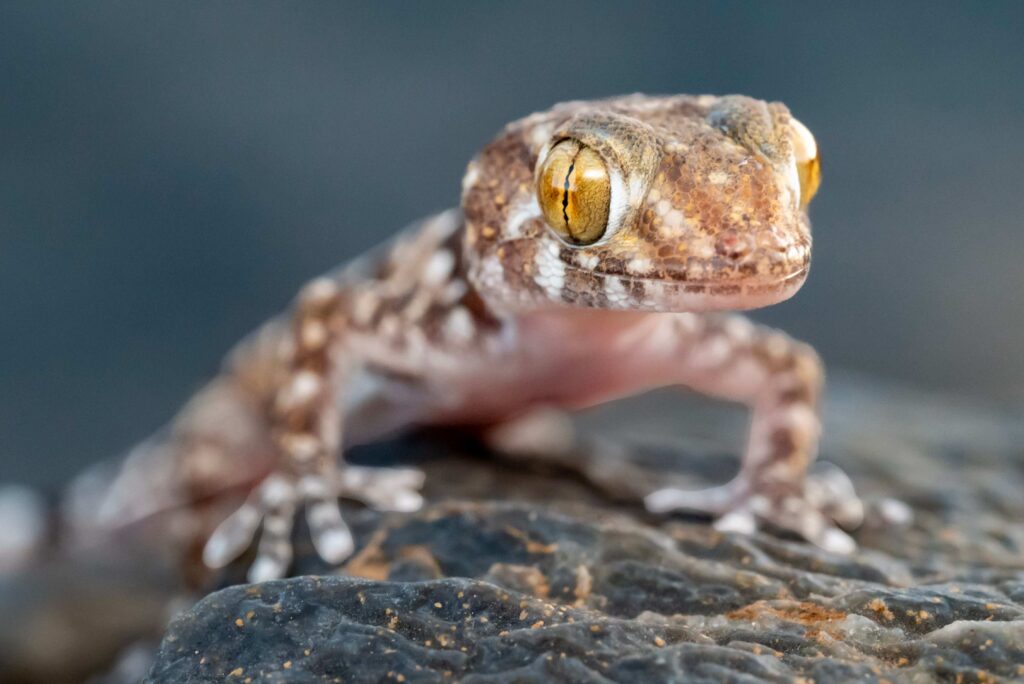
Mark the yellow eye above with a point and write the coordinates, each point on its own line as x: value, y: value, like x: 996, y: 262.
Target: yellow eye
x: 808, y: 162
x: 574, y: 192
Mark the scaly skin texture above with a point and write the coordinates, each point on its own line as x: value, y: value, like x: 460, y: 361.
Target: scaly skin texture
x: 485, y: 317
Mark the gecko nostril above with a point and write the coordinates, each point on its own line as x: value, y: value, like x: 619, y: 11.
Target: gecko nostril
x: 732, y: 245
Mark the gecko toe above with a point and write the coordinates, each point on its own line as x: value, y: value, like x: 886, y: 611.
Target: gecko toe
x: 275, y: 502
x: 741, y: 521
x: 232, y: 537
x: 273, y: 505
x: 335, y: 544
x: 837, y: 541
x: 384, y: 489
x: 265, y: 569
x: 831, y: 491
x: 274, y: 554
x: 713, y: 500
x: 809, y: 519
x: 812, y: 513
x: 332, y: 538
x: 402, y: 501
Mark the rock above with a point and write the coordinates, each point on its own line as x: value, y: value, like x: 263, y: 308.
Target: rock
x: 457, y: 629
x: 524, y: 572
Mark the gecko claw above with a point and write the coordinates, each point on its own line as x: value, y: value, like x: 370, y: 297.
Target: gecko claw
x: 275, y: 502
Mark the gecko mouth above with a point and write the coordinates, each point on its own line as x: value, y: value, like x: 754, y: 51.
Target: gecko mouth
x: 679, y: 295
x: 681, y: 277
x: 760, y: 269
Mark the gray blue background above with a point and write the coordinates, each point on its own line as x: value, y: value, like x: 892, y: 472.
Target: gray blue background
x: 170, y: 173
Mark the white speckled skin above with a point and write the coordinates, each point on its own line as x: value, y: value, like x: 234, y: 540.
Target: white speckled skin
x: 482, y: 315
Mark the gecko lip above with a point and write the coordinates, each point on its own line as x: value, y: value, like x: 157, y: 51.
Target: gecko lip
x: 669, y: 294
x: 751, y: 283
x: 679, y: 278
x: 762, y: 268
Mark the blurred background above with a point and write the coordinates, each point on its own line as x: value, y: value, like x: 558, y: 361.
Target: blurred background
x: 171, y: 173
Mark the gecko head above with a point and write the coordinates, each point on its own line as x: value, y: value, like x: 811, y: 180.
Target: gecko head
x: 656, y: 203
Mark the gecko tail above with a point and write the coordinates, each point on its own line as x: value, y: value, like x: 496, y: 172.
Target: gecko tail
x: 216, y: 449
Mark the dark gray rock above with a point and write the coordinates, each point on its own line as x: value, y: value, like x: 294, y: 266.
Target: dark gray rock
x: 525, y: 572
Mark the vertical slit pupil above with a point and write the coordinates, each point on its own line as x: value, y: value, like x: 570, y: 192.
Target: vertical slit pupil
x: 565, y: 194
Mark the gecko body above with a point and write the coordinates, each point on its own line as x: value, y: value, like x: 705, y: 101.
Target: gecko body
x: 598, y: 252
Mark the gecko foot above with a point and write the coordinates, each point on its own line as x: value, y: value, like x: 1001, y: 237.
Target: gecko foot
x: 275, y: 502
x: 826, y: 502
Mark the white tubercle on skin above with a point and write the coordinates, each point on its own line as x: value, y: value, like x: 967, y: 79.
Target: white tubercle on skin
x: 520, y: 214
x: 541, y: 135
x: 438, y: 268
x: 639, y: 266
x: 550, y: 270
x: 616, y: 292
x: 458, y: 326
x: 491, y: 274
x: 303, y: 388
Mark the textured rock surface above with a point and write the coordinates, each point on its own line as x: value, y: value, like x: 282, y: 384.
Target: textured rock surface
x: 521, y: 572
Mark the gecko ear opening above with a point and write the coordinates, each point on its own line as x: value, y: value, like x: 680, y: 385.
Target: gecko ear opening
x: 574, y: 192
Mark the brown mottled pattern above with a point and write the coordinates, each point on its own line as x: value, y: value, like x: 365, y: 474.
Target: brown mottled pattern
x: 585, y: 289
x: 518, y: 263
x: 400, y: 293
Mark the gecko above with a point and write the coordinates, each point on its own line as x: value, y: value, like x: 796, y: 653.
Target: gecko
x: 602, y: 249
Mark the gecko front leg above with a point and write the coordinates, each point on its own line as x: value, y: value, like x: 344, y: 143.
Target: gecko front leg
x: 306, y: 426
x: 780, y: 380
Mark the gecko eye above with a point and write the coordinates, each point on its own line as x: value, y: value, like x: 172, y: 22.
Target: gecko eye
x: 808, y: 162
x: 574, y: 192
